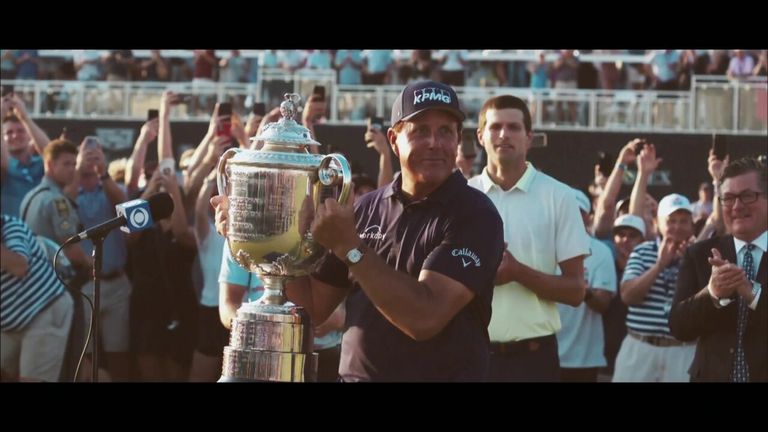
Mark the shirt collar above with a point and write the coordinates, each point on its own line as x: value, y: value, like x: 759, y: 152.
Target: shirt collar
x: 393, y: 187
x: 47, y: 181
x: 761, y: 242
x: 443, y: 193
x: 524, y: 184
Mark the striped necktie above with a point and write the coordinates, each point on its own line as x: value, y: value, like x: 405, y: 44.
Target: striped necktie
x: 740, y: 372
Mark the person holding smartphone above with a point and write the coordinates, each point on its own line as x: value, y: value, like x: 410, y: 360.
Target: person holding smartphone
x: 163, y: 308
x: 258, y: 111
x: 97, y: 194
x: 224, y: 124
x: 314, y: 112
x: 465, y: 158
x: 24, y: 142
x: 376, y: 138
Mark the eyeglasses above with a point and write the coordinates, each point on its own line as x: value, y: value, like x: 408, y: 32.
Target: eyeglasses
x: 747, y: 197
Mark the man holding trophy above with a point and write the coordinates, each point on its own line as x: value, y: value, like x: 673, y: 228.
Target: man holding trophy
x: 415, y: 260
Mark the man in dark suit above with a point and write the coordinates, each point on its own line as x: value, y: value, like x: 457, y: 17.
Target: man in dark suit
x: 718, y: 298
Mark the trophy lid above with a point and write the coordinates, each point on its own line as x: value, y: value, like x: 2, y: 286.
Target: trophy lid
x: 286, y: 131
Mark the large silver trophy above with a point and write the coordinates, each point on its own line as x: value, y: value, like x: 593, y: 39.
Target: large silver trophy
x: 273, y: 193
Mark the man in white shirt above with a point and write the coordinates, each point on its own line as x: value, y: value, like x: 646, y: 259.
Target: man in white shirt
x: 581, y: 341
x: 543, y: 231
x: 741, y: 65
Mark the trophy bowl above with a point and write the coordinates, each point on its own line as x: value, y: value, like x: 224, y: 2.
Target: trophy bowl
x: 273, y: 193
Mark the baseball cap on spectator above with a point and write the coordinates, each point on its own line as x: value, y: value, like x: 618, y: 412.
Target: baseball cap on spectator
x: 631, y: 221
x: 672, y: 203
x: 420, y: 96
x: 622, y: 206
x: 583, y: 201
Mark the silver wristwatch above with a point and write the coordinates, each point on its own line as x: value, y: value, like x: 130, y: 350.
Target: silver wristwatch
x: 354, y: 255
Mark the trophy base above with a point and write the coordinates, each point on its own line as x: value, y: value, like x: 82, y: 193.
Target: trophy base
x: 270, y: 340
x: 266, y: 366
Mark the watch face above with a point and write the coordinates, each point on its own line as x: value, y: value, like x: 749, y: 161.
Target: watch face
x: 354, y: 256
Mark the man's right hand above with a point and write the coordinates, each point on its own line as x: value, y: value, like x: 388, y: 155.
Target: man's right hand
x: 647, y: 162
x: 216, y: 148
x: 377, y: 140
x: 220, y: 203
x: 314, y: 111
x: 716, y: 166
x: 507, y: 268
x: 155, y: 184
x: 149, y: 131
x: 725, y: 276
x: 668, y: 251
x: 5, y: 106
x: 627, y: 154
x: 16, y: 106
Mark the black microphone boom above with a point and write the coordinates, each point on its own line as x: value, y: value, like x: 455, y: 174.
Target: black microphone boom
x: 160, y: 206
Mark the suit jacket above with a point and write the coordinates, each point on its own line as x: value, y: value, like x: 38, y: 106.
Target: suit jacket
x: 695, y: 316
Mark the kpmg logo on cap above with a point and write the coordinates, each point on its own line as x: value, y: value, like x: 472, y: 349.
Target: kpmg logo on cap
x: 431, y: 94
x: 464, y: 252
x: 679, y: 201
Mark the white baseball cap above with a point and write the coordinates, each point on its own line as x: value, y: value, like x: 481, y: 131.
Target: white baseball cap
x: 631, y: 221
x: 672, y: 203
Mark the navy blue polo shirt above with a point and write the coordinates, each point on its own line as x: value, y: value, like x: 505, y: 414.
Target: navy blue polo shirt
x: 455, y: 231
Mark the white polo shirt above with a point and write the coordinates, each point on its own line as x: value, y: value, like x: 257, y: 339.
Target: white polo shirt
x: 543, y: 227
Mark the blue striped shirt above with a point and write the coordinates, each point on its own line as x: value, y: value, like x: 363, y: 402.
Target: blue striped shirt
x: 651, y: 317
x: 22, y: 299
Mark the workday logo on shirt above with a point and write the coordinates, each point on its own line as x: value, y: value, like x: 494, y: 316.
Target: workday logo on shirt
x: 467, y: 257
x: 373, y: 232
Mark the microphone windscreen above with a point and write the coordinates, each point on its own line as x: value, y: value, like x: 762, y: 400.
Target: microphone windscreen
x: 160, y: 205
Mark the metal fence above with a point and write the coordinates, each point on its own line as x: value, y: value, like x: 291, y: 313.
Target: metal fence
x: 714, y: 103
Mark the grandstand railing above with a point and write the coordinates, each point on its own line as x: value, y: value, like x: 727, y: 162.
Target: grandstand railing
x: 714, y: 103
x: 472, y: 55
x: 725, y: 104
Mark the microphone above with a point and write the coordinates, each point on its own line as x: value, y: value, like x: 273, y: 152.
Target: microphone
x: 132, y: 216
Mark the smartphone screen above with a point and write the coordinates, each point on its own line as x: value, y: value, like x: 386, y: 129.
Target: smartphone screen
x: 319, y: 92
x: 225, y: 119
x: 225, y: 109
x: 468, y: 149
x: 376, y: 123
x: 152, y: 114
x: 224, y: 128
x: 720, y: 146
x: 181, y: 99
x: 91, y: 142
x: 259, y: 109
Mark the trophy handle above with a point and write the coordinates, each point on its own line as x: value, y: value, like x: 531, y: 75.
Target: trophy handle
x: 221, y: 176
x: 329, y: 175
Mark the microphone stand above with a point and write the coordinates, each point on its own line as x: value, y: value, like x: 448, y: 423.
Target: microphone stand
x: 97, y: 241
